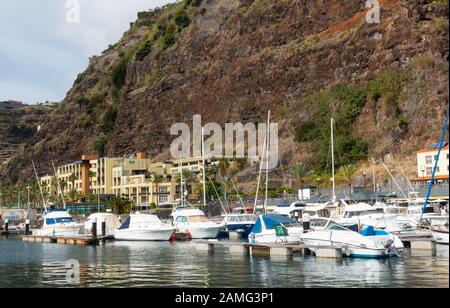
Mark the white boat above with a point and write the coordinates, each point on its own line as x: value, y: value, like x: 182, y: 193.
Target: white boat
x: 58, y: 223
x: 111, y: 220
x: 371, y: 243
x: 440, y: 233
x: 365, y: 214
x: 275, y: 228
x: 239, y: 223
x: 290, y: 210
x: 195, y: 222
x: 143, y: 227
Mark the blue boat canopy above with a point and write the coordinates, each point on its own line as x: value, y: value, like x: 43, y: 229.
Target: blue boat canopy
x: 271, y: 221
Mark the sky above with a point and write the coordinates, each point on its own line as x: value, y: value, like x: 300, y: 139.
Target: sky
x: 43, y: 47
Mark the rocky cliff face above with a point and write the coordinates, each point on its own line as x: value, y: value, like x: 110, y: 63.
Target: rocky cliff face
x: 232, y: 60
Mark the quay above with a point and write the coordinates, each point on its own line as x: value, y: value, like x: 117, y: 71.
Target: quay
x: 286, y: 250
x: 72, y: 240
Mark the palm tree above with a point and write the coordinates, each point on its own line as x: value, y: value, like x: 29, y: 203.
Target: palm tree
x: 73, y: 196
x: 156, y: 179
x: 72, y: 178
x: 302, y: 174
x: 346, y: 174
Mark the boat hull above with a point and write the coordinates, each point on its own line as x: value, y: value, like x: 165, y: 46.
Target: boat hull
x: 198, y: 232
x: 244, y: 228
x: 441, y: 237
x: 143, y: 235
x: 269, y: 237
x: 61, y: 230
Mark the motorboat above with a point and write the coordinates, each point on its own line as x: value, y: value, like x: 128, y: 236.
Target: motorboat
x: 195, y: 222
x: 440, y: 233
x: 370, y: 243
x: 365, y: 214
x: 290, y: 209
x: 241, y: 223
x: 275, y: 228
x: 143, y: 227
x: 112, y: 222
x: 58, y: 223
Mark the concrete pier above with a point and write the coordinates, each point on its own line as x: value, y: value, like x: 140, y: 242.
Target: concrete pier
x: 424, y: 246
x: 328, y: 253
x: 208, y: 247
x: 238, y: 249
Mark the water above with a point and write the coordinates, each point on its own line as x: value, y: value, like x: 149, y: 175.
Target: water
x: 150, y: 264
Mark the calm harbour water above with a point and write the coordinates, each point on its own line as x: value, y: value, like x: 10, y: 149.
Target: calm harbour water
x: 150, y: 264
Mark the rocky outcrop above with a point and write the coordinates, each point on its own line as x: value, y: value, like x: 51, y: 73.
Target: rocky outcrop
x: 232, y: 60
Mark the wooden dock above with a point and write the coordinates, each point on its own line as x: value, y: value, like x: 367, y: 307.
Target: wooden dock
x: 72, y: 240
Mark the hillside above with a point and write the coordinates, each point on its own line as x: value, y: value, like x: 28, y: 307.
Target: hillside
x: 232, y: 60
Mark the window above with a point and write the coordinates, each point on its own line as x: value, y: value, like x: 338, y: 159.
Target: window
x: 429, y: 170
x: 181, y: 219
x: 198, y: 219
x: 428, y: 160
x: 162, y: 199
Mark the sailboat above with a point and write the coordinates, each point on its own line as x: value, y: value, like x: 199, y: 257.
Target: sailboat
x: 192, y: 221
x: 56, y: 222
x: 440, y: 231
x: 271, y: 228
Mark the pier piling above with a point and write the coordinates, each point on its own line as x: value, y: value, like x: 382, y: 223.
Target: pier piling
x: 27, y: 227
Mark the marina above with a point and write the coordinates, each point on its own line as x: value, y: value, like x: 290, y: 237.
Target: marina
x: 180, y: 264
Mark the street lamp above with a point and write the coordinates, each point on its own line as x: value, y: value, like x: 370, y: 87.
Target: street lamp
x: 392, y: 179
x: 319, y: 181
x: 423, y: 173
x: 364, y: 175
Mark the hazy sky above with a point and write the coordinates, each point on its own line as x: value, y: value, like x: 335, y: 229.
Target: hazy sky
x: 41, y: 54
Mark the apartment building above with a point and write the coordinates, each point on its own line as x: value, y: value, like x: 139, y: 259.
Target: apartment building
x: 134, y: 177
x: 426, y: 159
x: 69, y: 177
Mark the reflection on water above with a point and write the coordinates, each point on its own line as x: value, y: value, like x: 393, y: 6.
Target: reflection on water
x: 151, y: 264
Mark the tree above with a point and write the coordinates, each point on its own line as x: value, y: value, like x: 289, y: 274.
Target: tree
x: 72, y: 178
x: 73, y: 196
x: 156, y: 179
x: 302, y: 174
x: 120, y: 205
x: 346, y: 174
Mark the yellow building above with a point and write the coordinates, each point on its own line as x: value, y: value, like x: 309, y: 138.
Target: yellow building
x: 134, y: 177
x: 69, y: 177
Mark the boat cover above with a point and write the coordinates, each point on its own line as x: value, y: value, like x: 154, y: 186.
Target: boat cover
x: 271, y: 221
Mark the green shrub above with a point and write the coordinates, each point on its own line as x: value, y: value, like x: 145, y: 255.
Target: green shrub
x: 306, y: 131
x: 119, y: 74
x: 109, y: 120
x: 181, y: 18
x: 100, y: 146
x: 195, y: 3
x: 169, y: 37
x: 18, y: 131
x: 144, y: 49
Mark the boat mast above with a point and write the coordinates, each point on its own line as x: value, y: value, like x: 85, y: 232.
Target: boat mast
x: 267, y: 162
x: 430, y: 186
x: 260, y: 172
x: 332, y: 160
x: 204, y: 167
x: 181, y: 181
x: 40, y: 187
x: 59, y: 187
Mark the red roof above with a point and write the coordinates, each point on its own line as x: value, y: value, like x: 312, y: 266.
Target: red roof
x: 432, y: 150
x: 428, y: 177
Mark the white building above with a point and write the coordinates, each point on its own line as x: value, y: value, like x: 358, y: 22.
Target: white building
x: 426, y: 159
